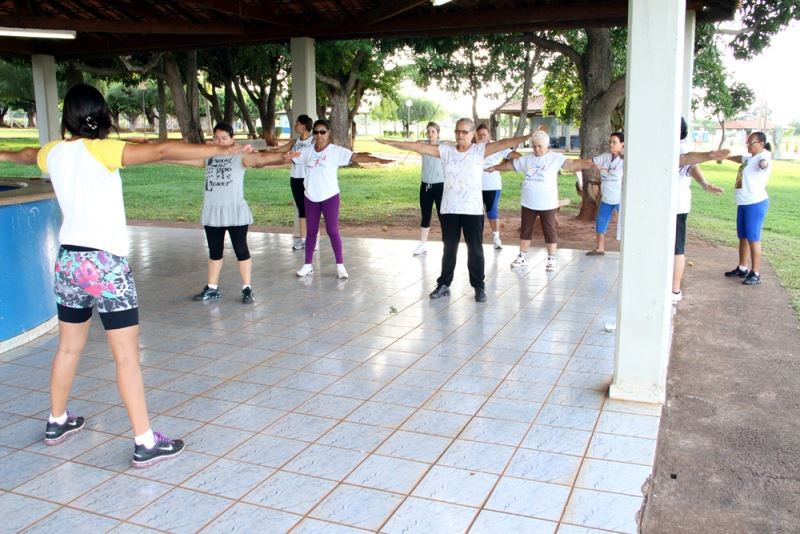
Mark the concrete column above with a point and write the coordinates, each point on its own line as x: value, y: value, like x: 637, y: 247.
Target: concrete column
x: 688, y: 67
x: 653, y: 105
x: 304, y: 78
x: 45, y: 90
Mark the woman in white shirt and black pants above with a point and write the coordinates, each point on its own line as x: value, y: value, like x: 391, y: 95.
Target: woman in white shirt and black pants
x: 462, y: 200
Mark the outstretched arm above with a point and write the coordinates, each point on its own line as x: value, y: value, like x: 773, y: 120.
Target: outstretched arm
x: 135, y: 154
x: 414, y: 146
x: 364, y: 157
x: 506, y: 165
x: 256, y: 160
x: 503, y: 144
x: 26, y: 156
x: 737, y: 159
x: 697, y: 174
x: 579, y: 165
x: 693, y: 158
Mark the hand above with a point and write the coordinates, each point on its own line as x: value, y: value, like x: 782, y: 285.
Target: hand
x: 288, y: 156
x: 513, y: 155
x: 711, y: 188
x: 719, y: 155
x: 493, y: 168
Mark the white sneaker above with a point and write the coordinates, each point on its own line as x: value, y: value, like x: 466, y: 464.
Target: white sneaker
x: 520, y: 261
x: 497, y: 243
x: 341, y: 272
x: 551, y: 263
x: 306, y: 270
x: 299, y: 244
x: 676, y: 297
x: 422, y: 248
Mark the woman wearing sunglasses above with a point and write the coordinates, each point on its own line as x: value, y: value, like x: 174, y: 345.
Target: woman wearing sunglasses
x: 321, y: 162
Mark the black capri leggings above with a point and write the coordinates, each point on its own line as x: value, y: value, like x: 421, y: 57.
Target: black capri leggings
x: 215, y: 235
x: 428, y: 194
x: 299, y: 192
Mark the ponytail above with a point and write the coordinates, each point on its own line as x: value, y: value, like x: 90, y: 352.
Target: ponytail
x: 767, y: 146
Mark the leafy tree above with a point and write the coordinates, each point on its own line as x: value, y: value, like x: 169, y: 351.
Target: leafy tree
x: 16, y: 89
x: 345, y: 71
x: 587, y: 80
x: 761, y: 19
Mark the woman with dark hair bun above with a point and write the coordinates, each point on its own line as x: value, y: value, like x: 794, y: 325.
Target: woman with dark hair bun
x: 321, y: 162
x: 752, y: 204
x: 92, y: 266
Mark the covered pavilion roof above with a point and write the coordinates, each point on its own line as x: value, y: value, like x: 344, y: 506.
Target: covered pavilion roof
x: 130, y: 26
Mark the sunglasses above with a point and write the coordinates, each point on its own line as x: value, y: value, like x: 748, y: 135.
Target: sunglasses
x: 463, y: 132
x: 752, y: 142
x: 319, y: 132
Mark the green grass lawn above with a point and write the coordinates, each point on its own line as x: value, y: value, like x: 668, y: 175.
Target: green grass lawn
x: 379, y: 195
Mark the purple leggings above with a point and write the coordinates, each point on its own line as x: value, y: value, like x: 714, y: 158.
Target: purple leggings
x: 330, y: 209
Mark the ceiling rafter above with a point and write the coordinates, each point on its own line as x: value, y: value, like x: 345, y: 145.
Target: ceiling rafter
x: 389, y: 9
x: 240, y: 9
x: 114, y: 26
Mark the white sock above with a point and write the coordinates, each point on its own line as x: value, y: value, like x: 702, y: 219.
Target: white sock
x: 756, y: 273
x: 147, y: 439
x: 743, y: 268
x: 245, y: 286
x: 212, y: 286
x: 495, y: 234
x: 57, y: 420
x: 340, y: 265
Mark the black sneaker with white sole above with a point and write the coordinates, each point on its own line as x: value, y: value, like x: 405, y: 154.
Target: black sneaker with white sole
x: 55, y: 433
x: 207, y: 294
x: 164, y: 449
x: 248, y: 297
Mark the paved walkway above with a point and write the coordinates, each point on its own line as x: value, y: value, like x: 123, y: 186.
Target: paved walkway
x: 342, y: 406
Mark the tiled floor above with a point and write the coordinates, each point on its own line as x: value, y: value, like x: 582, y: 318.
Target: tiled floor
x: 342, y: 406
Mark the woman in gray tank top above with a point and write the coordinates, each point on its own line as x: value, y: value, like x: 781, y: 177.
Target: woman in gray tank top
x: 226, y: 210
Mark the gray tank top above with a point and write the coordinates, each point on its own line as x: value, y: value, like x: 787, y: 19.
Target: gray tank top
x: 223, y: 202
x: 432, y: 171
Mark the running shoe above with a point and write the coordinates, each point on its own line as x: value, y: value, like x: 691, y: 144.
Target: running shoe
x: 341, y: 272
x: 55, y: 433
x: 306, y: 270
x: 520, y: 261
x: 164, y: 449
x: 752, y: 279
x: 299, y: 244
x: 208, y: 294
x: 551, y: 263
x: 440, y: 291
x: 738, y: 271
x: 248, y: 297
x: 497, y: 243
x: 421, y: 249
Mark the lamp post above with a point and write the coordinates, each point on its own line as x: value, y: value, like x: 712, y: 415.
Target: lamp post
x: 408, y: 118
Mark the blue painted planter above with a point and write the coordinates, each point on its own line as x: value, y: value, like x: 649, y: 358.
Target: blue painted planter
x: 29, y: 224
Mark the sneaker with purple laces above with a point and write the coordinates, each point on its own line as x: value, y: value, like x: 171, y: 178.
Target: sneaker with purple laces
x: 164, y: 449
x: 55, y: 433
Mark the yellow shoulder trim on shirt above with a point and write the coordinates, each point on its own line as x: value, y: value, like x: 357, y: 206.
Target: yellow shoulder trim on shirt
x: 107, y: 151
x: 41, y: 157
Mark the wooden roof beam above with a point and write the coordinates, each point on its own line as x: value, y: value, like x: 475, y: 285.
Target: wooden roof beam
x: 389, y: 9
x: 122, y: 26
x: 237, y: 8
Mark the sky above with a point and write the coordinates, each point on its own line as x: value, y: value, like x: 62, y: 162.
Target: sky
x: 773, y: 76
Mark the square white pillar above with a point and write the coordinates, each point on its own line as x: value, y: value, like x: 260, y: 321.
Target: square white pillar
x: 45, y: 90
x: 304, y: 77
x: 688, y: 66
x: 653, y: 106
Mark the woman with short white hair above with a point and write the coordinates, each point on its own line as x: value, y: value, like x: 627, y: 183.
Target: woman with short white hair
x: 539, y: 194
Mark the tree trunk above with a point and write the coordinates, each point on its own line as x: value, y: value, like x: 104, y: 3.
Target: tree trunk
x: 162, y: 111
x: 526, y: 91
x: 272, y: 97
x: 3, y: 111
x: 251, y: 128
x: 212, y: 98
x: 183, y: 109
x: 475, y: 107
x: 193, y: 94
x: 31, y: 119
x: 601, y: 94
x: 73, y: 74
x: 721, y: 120
x: 229, y: 103
x: 339, y: 118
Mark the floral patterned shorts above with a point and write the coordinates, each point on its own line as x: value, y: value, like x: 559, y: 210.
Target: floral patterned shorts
x: 88, y: 278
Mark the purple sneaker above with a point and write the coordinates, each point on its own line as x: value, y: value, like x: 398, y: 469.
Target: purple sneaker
x: 164, y: 449
x: 55, y: 433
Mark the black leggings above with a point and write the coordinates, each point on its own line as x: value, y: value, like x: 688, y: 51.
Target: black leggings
x: 428, y: 194
x: 298, y: 192
x: 215, y: 235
